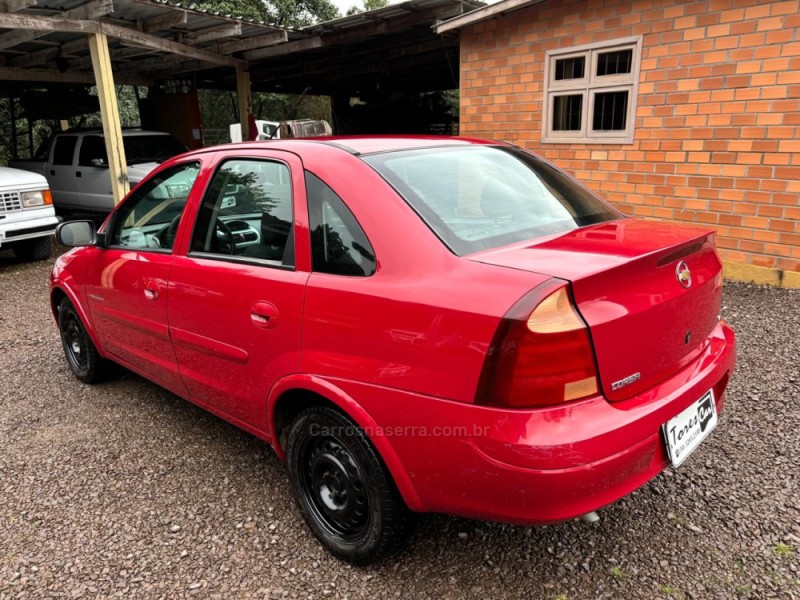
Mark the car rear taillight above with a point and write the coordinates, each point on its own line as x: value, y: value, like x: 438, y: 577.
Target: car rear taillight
x: 541, y: 354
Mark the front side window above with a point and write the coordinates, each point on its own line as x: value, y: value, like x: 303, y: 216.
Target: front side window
x: 590, y: 93
x: 247, y: 213
x: 338, y: 244
x: 149, y: 219
x: 92, y: 152
x: 481, y: 197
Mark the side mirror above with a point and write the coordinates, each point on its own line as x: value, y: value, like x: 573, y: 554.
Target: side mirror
x: 74, y: 234
x: 98, y: 162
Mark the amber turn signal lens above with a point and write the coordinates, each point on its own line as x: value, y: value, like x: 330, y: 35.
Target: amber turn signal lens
x: 555, y: 315
x: 48, y: 197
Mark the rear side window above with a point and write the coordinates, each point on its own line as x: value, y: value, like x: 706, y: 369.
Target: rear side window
x: 247, y: 212
x: 338, y: 244
x: 64, y: 149
x: 481, y: 197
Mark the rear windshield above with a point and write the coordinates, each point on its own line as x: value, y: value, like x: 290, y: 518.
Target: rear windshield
x: 481, y: 197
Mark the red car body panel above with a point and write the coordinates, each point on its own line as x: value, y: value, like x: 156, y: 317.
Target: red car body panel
x: 402, y: 351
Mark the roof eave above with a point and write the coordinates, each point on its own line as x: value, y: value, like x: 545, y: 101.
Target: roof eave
x: 482, y: 14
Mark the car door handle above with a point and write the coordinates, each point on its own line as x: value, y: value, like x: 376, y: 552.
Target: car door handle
x: 78, y: 174
x: 151, y: 290
x: 264, y: 315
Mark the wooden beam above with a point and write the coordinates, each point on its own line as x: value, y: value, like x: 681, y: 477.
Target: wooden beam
x: 117, y: 54
x: 211, y: 34
x: 171, y: 19
x: 154, y: 65
x: 15, y: 5
x: 53, y: 76
x: 349, y: 36
x: 109, y: 113
x: 35, y: 59
x: 91, y: 10
x: 59, y: 24
x: 251, y: 43
x: 283, y: 49
x: 156, y: 43
x: 244, y: 96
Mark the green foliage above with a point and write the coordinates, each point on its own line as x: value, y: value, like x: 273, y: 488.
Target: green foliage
x: 368, y: 5
x: 218, y: 110
x: 287, y: 13
x: 668, y: 589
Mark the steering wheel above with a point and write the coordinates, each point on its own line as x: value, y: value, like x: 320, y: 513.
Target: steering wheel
x: 224, y: 238
x: 166, y: 236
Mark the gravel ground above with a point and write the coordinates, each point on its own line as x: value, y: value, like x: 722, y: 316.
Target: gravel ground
x: 124, y: 490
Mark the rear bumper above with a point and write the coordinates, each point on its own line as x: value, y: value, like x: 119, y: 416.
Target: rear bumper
x: 28, y: 224
x: 545, y: 465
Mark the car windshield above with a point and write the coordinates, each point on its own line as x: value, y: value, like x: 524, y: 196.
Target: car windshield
x: 481, y: 197
x: 150, y: 148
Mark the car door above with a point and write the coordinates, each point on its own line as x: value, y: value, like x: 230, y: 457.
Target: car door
x: 59, y: 170
x: 236, y: 296
x: 93, y: 178
x: 127, y: 283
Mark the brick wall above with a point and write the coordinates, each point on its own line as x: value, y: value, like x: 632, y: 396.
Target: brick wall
x: 717, y: 138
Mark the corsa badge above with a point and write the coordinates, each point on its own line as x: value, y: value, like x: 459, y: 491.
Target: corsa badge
x: 683, y: 274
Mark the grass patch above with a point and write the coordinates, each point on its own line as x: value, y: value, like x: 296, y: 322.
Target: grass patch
x: 668, y: 590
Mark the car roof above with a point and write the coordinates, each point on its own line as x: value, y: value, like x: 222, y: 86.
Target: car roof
x: 367, y: 144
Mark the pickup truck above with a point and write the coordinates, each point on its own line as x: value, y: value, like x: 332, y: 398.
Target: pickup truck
x: 76, y: 165
x: 27, y: 218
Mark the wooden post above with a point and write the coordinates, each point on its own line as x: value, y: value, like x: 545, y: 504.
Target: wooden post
x: 245, y: 101
x: 109, y: 113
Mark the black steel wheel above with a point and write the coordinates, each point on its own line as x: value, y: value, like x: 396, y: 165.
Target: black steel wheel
x: 342, y: 487
x: 82, y: 356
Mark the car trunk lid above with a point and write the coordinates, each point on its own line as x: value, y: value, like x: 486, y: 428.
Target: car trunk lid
x: 645, y: 324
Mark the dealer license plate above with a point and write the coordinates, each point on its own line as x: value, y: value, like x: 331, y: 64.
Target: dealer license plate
x: 684, y: 432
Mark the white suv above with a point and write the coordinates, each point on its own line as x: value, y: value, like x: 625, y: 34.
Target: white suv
x: 27, y: 217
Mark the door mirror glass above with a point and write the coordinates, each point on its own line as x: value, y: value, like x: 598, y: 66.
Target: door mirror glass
x: 76, y: 233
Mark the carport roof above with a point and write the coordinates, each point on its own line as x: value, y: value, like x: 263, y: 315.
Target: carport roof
x: 46, y: 41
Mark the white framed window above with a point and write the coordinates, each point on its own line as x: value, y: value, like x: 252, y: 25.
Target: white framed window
x: 590, y: 92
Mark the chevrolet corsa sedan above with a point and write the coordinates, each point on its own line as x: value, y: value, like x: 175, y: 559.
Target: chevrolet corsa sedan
x: 415, y: 324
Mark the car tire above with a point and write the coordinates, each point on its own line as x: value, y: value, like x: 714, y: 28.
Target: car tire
x: 35, y: 249
x: 83, y: 358
x: 344, y: 491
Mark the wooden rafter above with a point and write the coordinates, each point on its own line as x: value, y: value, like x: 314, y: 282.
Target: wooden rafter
x: 171, y: 19
x: 212, y: 34
x: 251, y: 43
x: 15, y: 5
x: 58, y: 24
x: 91, y: 10
x: 50, y: 76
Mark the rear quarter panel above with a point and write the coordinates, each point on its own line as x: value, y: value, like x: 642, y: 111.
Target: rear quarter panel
x: 424, y: 321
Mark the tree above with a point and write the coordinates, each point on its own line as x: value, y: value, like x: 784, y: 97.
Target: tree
x: 286, y: 13
x: 368, y: 5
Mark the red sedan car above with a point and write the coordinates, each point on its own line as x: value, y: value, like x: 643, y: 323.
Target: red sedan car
x: 413, y: 323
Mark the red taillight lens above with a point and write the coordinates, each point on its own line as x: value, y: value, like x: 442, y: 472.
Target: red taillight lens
x: 541, y: 355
